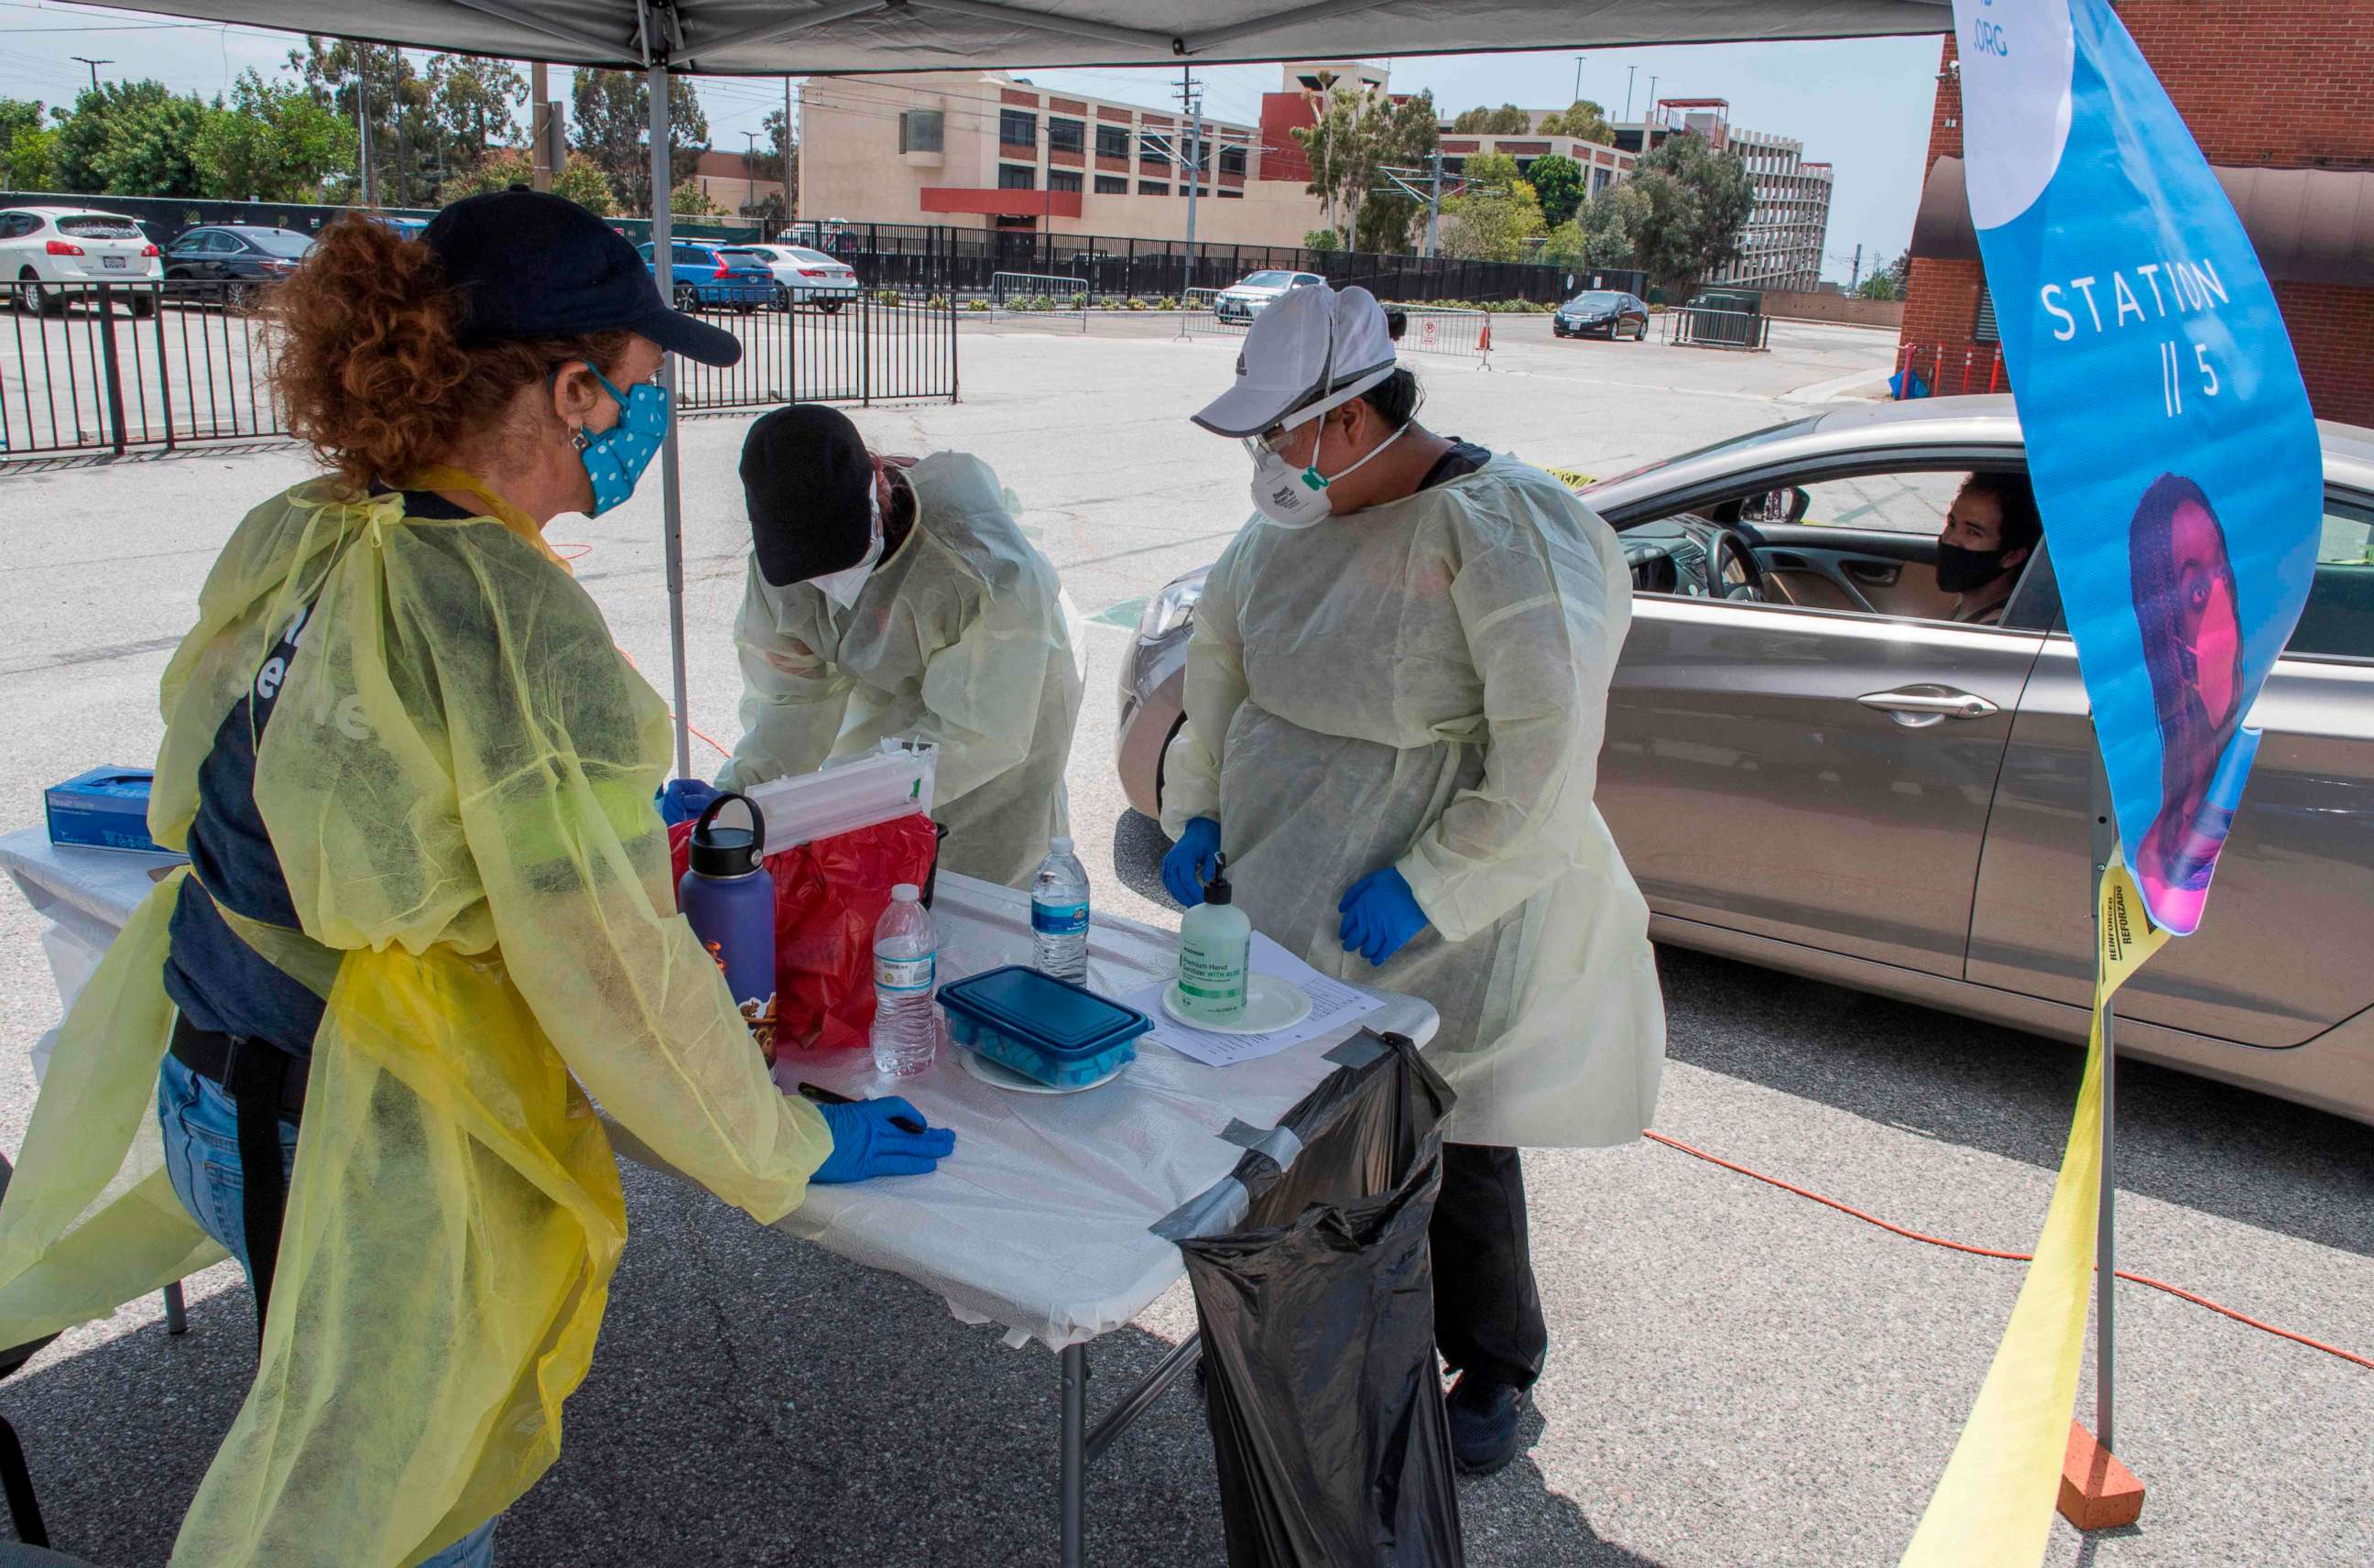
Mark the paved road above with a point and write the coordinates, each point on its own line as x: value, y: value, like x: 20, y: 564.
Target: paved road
x: 1738, y: 1376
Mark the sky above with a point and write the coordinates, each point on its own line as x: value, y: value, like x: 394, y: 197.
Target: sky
x: 1862, y: 104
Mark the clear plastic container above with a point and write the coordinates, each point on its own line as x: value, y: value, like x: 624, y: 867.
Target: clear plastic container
x: 1048, y: 1029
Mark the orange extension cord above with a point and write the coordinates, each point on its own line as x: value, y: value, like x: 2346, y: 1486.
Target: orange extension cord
x: 2177, y: 1292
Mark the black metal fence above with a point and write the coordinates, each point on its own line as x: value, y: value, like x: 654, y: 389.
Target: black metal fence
x: 113, y: 368
x: 163, y: 218
x: 964, y: 261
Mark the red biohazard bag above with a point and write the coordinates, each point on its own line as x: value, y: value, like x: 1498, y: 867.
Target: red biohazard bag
x: 828, y: 897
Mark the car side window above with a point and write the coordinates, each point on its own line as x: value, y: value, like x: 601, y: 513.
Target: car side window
x: 2338, y: 620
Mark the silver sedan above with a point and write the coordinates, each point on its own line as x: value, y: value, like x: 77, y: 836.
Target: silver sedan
x: 1810, y: 767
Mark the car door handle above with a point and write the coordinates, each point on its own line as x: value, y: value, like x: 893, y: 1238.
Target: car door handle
x: 1918, y: 707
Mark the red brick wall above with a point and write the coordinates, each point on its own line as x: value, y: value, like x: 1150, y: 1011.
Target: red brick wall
x: 2281, y: 84
x: 1282, y: 157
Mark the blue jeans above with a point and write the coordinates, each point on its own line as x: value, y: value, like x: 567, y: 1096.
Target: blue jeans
x: 200, y: 1128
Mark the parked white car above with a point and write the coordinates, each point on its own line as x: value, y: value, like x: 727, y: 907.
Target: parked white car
x: 802, y: 277
x: 40, y: 246
x: 1250, y: 296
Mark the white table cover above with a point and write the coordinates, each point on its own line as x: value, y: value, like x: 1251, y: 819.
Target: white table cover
x: 1040, y: 1223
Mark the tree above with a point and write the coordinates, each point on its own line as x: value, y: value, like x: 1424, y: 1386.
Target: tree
x: 1506, y: 120
x: 1322, y: 240
x: 28, y: 145
x: 1598, y: 236
x: 1558, y: 182
x: 1698, y: 204
x: 688, y: 200
x: 1581, y: 119
x: 472, y: 105
x: 1879, y: 286
x: 273, y: 142
x: 131, y: 139
x: 395, y: 101
x: 610, y: 112
x: 504, y: 167
x: 1352, y: 143
x: 1495, y: 212
x: 1899, y: 272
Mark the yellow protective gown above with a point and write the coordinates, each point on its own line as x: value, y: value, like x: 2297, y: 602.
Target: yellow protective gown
x: 1424, y: 685
x: 960, y: 638
x: 457, y: 779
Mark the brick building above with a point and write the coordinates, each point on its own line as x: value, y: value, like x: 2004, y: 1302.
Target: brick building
x: 2265, y: 88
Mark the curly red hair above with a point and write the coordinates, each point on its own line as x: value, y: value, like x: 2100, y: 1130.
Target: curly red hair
x: 369, y: 364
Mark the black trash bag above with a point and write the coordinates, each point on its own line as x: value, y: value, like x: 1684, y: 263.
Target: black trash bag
x: 1317, y: 1308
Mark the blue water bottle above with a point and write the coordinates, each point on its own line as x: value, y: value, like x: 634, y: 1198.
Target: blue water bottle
x: 730, y: 900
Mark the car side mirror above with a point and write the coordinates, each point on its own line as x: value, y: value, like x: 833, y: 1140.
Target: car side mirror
x: 1783, y: 506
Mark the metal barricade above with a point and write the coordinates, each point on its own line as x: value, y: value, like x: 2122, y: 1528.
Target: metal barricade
x: 1199, y: 311
x: 1691, y: 326
x: 1038, y: 294
x: 109, y: 368
x: 1465, y: 334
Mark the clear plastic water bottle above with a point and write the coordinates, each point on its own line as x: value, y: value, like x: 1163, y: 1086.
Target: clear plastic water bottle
x: 906, y: 982
x: 1059, y: 914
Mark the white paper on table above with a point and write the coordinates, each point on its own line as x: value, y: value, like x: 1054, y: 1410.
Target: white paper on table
x: 1332, y: 1005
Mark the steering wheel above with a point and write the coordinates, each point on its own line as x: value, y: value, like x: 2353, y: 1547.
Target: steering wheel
x: 1731, y: 571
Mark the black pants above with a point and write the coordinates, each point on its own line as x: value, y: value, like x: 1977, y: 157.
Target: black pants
x: 1488, y: 1314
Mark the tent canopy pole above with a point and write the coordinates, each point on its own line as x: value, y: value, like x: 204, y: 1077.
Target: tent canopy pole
x: 671, y: 481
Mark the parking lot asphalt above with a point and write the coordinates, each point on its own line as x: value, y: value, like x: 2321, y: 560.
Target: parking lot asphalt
x: 1737, y: 1376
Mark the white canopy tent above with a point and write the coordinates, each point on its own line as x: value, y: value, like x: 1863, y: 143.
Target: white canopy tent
x: 777, y: 38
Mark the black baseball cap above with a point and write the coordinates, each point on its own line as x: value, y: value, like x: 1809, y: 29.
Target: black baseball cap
x: 807, y: 479
x: 528, y: 265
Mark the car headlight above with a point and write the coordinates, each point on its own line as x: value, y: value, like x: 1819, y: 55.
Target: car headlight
x: 1170, y: 610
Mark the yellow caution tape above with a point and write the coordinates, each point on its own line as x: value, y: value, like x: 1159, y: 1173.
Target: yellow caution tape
x: 1993, y: 1506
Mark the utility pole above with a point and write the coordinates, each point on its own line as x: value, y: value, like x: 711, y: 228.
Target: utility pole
x: 1194, y: 107
x: 539, y: 120
x: 749, y: 171
x: 1434, y: 201
x: 1578, y: 80
x: 1630, y: 72
x: 94, y: 65
x: 1652, y: 109
x: 1855, y: 277
x: 784, y: 145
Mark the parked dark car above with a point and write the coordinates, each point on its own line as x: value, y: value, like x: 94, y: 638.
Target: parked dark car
x: 1602, y: 312
x: 244, y: 259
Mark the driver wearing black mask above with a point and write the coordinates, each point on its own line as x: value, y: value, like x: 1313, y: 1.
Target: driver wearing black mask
x: 1991, y: 530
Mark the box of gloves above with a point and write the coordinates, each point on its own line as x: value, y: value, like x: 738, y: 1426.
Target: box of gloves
x: 104, y: 809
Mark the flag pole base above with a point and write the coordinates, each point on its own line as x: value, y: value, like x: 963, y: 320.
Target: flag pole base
x: 2098, y: 1492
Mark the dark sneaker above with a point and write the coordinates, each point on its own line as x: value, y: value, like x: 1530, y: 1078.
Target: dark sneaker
x: 1484, y: 1417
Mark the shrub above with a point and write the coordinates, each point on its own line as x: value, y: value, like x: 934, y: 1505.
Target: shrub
x: 1137, y: 304
x: 1169, y: 303
x: 977, y: 305
x: 936, y: 303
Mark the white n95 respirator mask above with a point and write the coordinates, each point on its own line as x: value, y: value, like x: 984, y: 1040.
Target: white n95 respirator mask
x: 1296, y: 498
x: 842, y: 587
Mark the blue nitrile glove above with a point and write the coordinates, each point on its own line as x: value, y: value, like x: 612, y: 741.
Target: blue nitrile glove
x: 1189, y: 865
x: 684, y: 800
x: 1380, y: 914
x: 865, y: 1143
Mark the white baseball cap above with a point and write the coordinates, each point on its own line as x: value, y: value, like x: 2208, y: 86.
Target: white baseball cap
x: 1312, y: 349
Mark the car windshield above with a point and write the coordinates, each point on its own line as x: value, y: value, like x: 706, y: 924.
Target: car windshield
x: 814, y: 258
x: 1267, y: 280
x: 279, y: 241
x: 1593, y: 302
x: 99, y: 226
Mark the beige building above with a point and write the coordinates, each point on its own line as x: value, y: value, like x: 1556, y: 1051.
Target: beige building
x: 983, y: 150
x: 1602, y: 165
x: 726, y: 178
